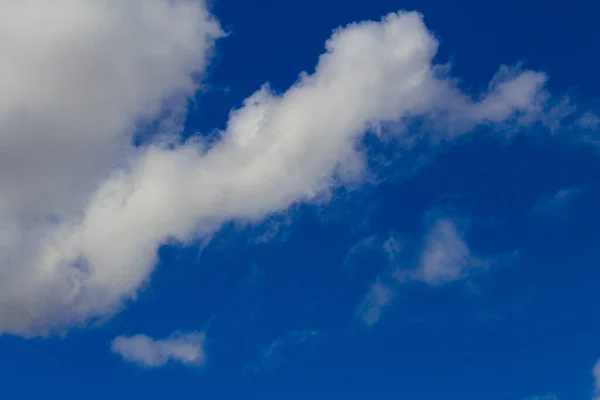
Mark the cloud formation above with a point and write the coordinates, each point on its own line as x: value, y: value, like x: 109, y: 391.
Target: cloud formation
x: 379, y: 295
x: 85, y: 210
x: 75, y: 90
x: 187, y: 349
x: 443, y: 258
x: 446, y: 257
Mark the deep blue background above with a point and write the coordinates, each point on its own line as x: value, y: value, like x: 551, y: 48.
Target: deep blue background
x: 532, y: 329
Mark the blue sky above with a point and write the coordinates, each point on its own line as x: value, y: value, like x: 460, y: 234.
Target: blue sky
x: 370, y: 236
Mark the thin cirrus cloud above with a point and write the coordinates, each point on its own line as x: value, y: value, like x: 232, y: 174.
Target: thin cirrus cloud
x: 80, y: 226
x: 272, y: 355
x: 183, y: 348
x: 553, y: 203
x: 444, y: 258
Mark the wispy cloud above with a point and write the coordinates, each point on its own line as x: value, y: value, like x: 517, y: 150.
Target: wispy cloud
x: 271, y: 356
x: 551, y: 204
x: 446, y: 257
x: 379, y: 295
x: 589, y: 120
x: 443, y: 258
x: 359, y: 250
x: 183, y: 348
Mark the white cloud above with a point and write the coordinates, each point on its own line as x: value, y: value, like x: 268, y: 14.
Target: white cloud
x: 79, y: 77
x: 443, y: 258
x: 446, y: 257
x: 74, y: 88
x: 379, y: 295
x: 85, y: 212
x: 187, y: 349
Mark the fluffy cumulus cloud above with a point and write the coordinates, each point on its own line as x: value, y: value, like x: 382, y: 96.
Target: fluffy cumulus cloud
x: 443, y: 258
x: 83, y: 211
x: 187, y: 349
x: 75, y: 89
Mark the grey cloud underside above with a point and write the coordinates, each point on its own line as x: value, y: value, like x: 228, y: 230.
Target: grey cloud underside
x: 85, y: 211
